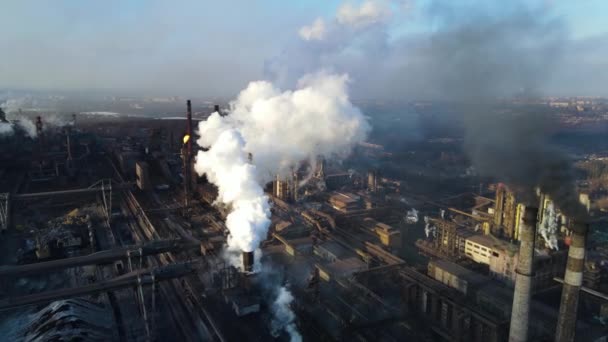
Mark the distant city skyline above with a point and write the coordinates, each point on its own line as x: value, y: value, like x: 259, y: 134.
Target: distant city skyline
x: 214, y: 49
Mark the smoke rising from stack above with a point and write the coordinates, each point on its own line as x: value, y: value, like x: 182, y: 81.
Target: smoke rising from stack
x: 474, y: 56
x: 281, y: 129
x: 12, y: 108
x: 475, y: 59
x: 225, y: 164
x: 6, y: 129
x: 284, y: 317
x: 28, y: 126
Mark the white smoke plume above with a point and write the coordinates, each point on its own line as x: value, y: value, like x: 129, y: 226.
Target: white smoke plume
x: 429, y: 229
x: 12, y: 106
x: 225, y: 165
x: 316, y: 30
x: 549, y: 227
x: 369, y: 12
x: 6, y: 129
x: 56, y: 121
x: 28, y: 126
x: 284, y: 317
x: 12, y: 109
x: 353, y: 40
x: 280, y: 129
x: 412, y: 216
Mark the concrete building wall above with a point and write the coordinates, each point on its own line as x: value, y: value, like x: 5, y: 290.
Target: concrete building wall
x: 142, y: 175
x: 503, y: 265
x: 478, y: 252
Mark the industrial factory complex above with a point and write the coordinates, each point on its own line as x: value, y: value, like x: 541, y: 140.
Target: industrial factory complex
x: 109, y: 233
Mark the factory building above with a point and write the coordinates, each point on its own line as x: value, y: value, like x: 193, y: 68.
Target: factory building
x: 340, y: 268
x: 372, y: 180
x: 142, y: 174
x: 507, y: 213
x: 280, y: 189
x: 502, y: 257
x: 480, y: 248
x: 386, y: 234
x: 345, y: 202
x: 448, y: 240
x: 337, y: 180
x: 493, y: 300
x: 455, y: 276
x: 330, y: 251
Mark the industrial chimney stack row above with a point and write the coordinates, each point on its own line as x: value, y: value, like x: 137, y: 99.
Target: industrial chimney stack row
x: 573, y: 280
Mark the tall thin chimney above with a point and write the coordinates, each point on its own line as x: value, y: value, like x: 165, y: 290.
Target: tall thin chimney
x: 520, y: 312
x: 189, y: 128
x: 294, y: 188
x: 39, y: 126
x: 372, y: 180
x: 69, y: 145
x: 573, y: 280
x: 187, y: 155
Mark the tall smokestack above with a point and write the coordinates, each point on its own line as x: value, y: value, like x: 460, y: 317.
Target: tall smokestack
x: 189, y: 128
x: 69, y: 145
x: 187, y: 154
x: 39, y: 126
x: 294, y: 185
x: 520, y: 312
x: 247, y: 262
x: 573, y: 280
x: 372, y: 180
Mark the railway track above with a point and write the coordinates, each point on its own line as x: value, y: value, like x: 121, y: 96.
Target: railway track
x: 184, y: 303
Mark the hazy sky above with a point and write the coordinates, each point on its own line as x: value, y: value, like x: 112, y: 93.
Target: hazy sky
x: 214, y: 48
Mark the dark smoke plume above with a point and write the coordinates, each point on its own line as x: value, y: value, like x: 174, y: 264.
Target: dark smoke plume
x: 476, y: 59
x: 476, y: 53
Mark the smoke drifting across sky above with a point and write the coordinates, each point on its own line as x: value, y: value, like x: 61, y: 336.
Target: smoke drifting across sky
x: 195, y: 50
x: 475, y: 54
x: 463, y: 42
x: 473, y: 62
